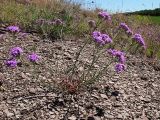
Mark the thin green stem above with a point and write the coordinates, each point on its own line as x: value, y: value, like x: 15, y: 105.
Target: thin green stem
x: 76, y: 59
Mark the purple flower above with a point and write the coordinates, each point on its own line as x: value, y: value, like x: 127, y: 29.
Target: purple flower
x: 120, y: 55
x: 122, y: 59
x: 106, y: 38
x: 126, y: 28
x: 33, y: 57
x: 104, y: 15
x: 13, y: 28
x: 119, y: 67
x: 15, y: 52
x: 138, y: 38
x: 102, y: 39
x: 11, y: 63
x: 115, y: 52
x: 97, y: 36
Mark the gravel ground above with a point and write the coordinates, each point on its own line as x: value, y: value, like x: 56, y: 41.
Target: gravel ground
x: 31, y: 92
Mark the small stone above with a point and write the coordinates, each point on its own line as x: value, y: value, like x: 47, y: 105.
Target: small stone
x: 68, y: 56
x: 117, y: 105
x: 119, y: 116
x: 32, y: 90
x: 72, y: 118
x: 51, y: 113
x: 96, y: 66
x: 109, y: 116
x: 81, y: 69
x: 95, y: 96
x: 97, y: 118
x: 135, y: 75
x: 1, y: 113
x: 52, y: 116
x: 40, y: 89
x: 146, y: 100
x: 23, y: 75
x: 104, y: 96
x: 9, y: 114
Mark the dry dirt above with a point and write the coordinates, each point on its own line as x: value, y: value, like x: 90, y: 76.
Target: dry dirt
x: 30, y: 92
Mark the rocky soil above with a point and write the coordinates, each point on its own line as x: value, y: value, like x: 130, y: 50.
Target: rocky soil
x: 31, y: 92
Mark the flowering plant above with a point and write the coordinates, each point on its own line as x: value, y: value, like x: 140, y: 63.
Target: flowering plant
x: 13, y: 29
x: 102, y: 42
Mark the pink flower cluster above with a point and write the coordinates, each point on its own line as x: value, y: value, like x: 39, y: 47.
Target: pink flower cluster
x: 126, y: 28
x: 137, y: 37
x: 121, y: 59
x: 13, y: 29
x: 104, y: 15
x: 100, y: 38
x: 16, y: 53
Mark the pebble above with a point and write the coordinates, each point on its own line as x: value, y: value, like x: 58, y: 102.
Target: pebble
x: 104, y: 96
x: 72, y: 118
x: 9, y: 114
x: 32, y: 90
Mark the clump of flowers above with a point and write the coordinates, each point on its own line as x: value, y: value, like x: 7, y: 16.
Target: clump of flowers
x: 119, y: 54
x: 16, y: 59
x: 104, y: 15
x: 138, y: 38
x: 11, y: 63
x: 13, y: 29
x: 121, y: 59
x: 126, y: 28
x: 33, y: 57
x: 100, y: 38
x: 119, y: 67
x: 16, y: 52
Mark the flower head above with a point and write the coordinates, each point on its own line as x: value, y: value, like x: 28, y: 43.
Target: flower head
x: 122, y: 59
x: 33, y: 57
x: 96, y: 34
x: 13, y: 28
x: 11, y: 63
x: 15, y: 52
x: 119, y: 67
x: 138, y: 38
x: 104, y: 15
x: 106, y: 38
x: 126, y: 28
x: 102, y: 39
x: 119, y: 54
x: 115, y: 52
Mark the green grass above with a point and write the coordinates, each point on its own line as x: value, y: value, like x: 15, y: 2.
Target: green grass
x: 155, y: 19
